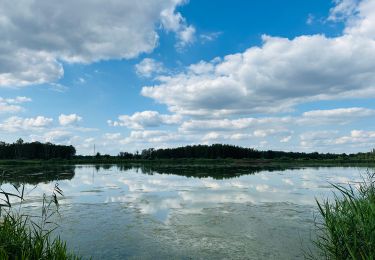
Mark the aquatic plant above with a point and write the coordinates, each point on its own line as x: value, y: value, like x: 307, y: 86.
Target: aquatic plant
x: 347, y: 226
x: 30, y: 237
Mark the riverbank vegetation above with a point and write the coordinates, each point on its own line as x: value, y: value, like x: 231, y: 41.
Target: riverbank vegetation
x: 347, y: 229
x: 221, y: 151
x: 21, y: 153
x: 29, y: 237
x: 35, y: 150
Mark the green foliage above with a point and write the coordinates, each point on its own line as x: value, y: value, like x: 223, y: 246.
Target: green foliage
x: 347, y: 230
x: 35, y: 150
x: 23, y: 237
x: 223, y: 151
x: 17, y: 241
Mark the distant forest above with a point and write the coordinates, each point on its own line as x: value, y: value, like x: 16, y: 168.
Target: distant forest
x: 223, y: 151
x: 35, y: 150
x: 45, y: 151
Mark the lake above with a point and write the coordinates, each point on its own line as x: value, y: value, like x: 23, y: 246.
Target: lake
x: 117, y: 212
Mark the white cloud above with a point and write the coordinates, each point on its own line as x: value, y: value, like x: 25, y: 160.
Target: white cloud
x: 240, y: 136
x: 315, y: 139
x: 340, y: 112
x: 310, y: 19
x: 269, y: 127
x: 144, y: 136
x: 89, y: 140
x: 339, y: 115
x: 209, y: 37
x: 286, y: 139
x: 57, y: 136
x: 145, y: 119
x: 112, y: 136
x: 211, y: 136
x: 279, y: 74
x: 71, y: 119
x: 173, y: 21
x: 357, y: 137
x: 17, y: 100
x: 343, y: 9
x: 37, y: 35
x: 186, y: 37
x: 15, y: 123
x: 268, y: 132
x: 338, y: 142
x: 362, y: 24
x: 201, y: 68
x: 11, y: 105
x: 233, y: 124
x: 147, y: 67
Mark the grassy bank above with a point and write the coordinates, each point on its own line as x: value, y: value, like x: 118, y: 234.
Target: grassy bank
x: 30, y: 237
x: 19, y: 241
x: 347, y: 230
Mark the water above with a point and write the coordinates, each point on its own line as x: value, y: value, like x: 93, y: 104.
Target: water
x: 143, y: 213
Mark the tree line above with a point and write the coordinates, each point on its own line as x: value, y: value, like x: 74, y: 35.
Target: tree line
x: 38, y: 150
x: 35, y: 150
x: 217, y: 151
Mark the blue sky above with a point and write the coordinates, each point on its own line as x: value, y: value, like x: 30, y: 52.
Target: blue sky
x: 286, y: 75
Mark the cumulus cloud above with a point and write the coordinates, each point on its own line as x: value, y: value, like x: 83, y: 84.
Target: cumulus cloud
x: 145, y: 119
x: 147, y: 67
x: 148, y: 136
x: 57, y: 136
x: 71, y: 119
x: 340, y: 112
x: 112, y: 136
x: 315, y: 139
x: 339, y: 115
x: 277, y: 75
x: 12, y: 105
x: 173, y: 21
x: 268, y: 132
x: 263, y: 125
x: 37, y: 35
x: 335, y: 141
x: 234, y: 124
x: 286, y: 139
x: 15, y: 123
x: 211, y: 136
x: 357, y: 137
x: 343, y: 9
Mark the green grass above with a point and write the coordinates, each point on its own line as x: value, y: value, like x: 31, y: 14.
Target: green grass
x: 347, y: 229
x: 30, y: 237
x: 19, y: 241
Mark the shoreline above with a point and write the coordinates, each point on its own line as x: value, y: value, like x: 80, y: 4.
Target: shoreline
x: 192, y: 162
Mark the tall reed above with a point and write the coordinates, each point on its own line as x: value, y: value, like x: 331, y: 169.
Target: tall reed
x: 30, y: 237
x: 347, y: 226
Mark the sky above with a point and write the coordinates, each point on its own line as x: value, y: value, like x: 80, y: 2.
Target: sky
x: 127, y: 75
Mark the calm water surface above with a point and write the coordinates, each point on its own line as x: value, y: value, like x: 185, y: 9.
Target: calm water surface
x: 137, y: 213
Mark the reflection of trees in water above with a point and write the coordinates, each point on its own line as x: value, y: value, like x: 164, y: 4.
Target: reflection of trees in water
x: 195, y: 171
x: 35, y: 174
x: 203, y: 171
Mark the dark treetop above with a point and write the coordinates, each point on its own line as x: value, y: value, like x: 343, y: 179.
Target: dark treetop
x: 35, y: 150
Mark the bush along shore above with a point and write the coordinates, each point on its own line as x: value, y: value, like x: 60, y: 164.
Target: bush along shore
x: 347, y: 226
x: 29, y: 237
x: 24, y: 152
